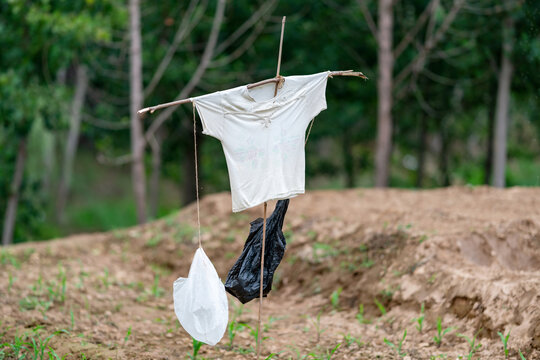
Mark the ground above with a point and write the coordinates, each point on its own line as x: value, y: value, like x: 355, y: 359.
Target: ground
x: 358, y: 267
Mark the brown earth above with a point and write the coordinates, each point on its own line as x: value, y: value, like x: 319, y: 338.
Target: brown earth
x: 470, y: 255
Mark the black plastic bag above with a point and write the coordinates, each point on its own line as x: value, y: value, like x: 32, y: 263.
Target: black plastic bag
x: 243, y: 280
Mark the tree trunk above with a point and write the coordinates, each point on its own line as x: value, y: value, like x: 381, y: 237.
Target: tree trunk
x: 13, y: 200
x: 488, y: 164
x: 81, y: 84
x: 348, y: 161
x: 136, y: 103
x: 421, y: 152
x: 156, y: 175
x: 188, y: 173
x: 384, y: 93
x: 503, y: 104
x: 443, y: 156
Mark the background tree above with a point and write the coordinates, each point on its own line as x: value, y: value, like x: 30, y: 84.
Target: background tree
x: 446, y: 58
x: 38, y: 40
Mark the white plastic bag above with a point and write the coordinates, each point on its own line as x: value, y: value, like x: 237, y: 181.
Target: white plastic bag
x: 200, y: 301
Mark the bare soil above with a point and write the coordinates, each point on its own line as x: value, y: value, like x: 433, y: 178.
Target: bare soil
x: 470, y: 255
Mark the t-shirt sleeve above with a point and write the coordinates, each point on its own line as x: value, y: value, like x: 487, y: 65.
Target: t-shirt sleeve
x: 316, y: 95
x: 211, y: 113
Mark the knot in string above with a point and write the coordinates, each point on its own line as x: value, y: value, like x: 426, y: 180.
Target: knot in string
x: 281, y: 81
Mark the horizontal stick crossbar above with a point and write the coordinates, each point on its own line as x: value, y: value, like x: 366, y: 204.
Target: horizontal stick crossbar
x: 276, y: 79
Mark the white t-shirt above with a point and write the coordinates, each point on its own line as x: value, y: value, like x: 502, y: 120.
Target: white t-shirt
x: 263, y: 136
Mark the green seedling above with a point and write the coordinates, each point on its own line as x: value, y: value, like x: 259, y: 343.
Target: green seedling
x: 388, y: 293
x: 401, y: 227
x: 154, y: 241
x: 348, y: 339
x: 360, y: 315
x: 322, y: 251
x: 235, y: 326
x: 57, y: 290
x: 473, y: 346
x: 254, y: 332
x: 126, y: 338
x: 504, y: 340
x: 327, y: 355
x: 230, y: 238
x: 18, y: 347
x: 80, y: 283
x: 242, y: 350
x: 381, y: 307
x: 62, y: 278
x: 334, y: 298
x: 317, y: 323
x: 232, y: 329
x: 54, y: 355
x: 34, y: 302
x: 420, y: 320
x: 289, y: 236
x: 185, y: 233
x: 440, y: 332
x: 331, y: 352
x: 6, y: 257
x: 156, y: 290
x: 72, y: 317
x: 521, y: 355
x: 37, y: 287
x: 397, y: 348
x: 271, y: 320
x: 367, y: 262
x: 196, y: 347
x: 105, y: 279
x: 299, y: 356
x: 312, y: 234
x: 128, y: 334
x: 39, y: 345
x: 3, y: 333
x: 11, y: 279
x: 238, y: 310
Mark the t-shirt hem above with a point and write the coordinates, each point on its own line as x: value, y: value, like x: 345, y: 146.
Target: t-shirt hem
x: 282, y: 196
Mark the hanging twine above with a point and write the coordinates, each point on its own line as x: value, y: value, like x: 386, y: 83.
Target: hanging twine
x: 196, y: 174
x: 309, y: 130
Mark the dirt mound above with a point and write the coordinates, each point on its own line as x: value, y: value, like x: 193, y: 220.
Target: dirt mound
x: 514, y: 246
x: 359, y: 265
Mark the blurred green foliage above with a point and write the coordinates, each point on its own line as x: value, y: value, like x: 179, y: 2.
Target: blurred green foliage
x: 442, y: 115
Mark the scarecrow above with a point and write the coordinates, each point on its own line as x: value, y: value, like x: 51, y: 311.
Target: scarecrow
x: 262, y: 128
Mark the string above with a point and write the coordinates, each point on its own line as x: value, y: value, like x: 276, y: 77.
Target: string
x: 309, y: 130
x: 196, y: 174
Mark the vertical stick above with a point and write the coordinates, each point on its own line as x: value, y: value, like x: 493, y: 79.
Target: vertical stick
x: 280, y: 45
x: 259, y: 335
x: 259, y: 345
